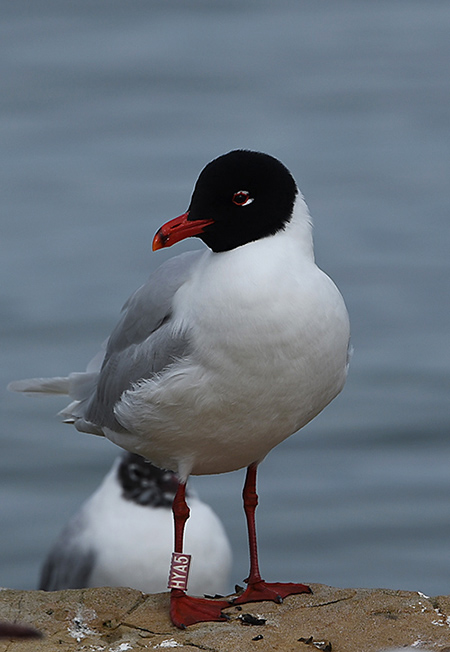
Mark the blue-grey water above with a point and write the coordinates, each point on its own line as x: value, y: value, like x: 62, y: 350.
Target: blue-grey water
x: 108, y: 111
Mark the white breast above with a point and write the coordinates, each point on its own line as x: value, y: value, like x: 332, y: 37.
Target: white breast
x: 269, y: 334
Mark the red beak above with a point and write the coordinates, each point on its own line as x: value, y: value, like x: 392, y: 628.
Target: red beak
x: 178, y: 229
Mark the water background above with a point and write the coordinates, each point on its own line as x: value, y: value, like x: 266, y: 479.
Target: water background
x: 108, y: 111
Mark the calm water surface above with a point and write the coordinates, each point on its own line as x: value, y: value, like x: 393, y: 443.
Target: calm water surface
x: 108, y: 112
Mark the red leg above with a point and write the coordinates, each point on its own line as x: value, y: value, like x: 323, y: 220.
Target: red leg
x: 257, y: 588
x: 184, y: 609
x: 181, y: 513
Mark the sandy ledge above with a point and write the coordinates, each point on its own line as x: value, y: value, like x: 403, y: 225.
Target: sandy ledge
x: 336, y: 620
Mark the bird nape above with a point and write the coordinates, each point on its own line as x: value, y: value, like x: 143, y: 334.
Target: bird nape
x: 222, y: 354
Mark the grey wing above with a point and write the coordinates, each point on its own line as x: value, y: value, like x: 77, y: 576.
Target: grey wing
x: 149, y: 307
x: 141, y: 345
x: 68, y: 565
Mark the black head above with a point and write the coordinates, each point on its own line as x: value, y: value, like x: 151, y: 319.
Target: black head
x: 146, y: 484
x: 249, y: 195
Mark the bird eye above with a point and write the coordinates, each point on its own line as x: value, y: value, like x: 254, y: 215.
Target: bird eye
x: 242, y: 198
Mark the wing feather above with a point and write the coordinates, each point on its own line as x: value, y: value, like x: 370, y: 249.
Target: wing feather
x: 142, y: 344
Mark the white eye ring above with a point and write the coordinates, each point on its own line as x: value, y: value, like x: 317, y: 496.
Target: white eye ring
x: 242, y: 198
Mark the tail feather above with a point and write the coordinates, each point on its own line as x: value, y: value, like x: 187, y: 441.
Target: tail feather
x: 57, y: 385
x: 79, y: 386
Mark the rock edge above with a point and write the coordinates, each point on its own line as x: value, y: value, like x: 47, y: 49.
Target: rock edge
x: 331, y: 619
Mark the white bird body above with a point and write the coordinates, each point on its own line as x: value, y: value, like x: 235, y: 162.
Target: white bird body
x: 268, y: 333
x: 116, y: 541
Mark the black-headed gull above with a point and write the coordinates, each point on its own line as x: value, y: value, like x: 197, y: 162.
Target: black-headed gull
x: 223, y: 353
x: 123, y: 536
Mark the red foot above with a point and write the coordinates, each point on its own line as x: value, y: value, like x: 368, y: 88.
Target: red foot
x: 275, y: 591
x: 186, y: 610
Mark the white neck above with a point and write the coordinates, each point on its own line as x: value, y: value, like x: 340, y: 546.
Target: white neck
x: 300, y: 227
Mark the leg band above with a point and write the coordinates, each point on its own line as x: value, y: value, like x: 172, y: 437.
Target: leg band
x: 179, y: 571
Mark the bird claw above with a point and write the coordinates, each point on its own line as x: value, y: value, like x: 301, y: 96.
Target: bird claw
x: 186, y: 610
x: 274, y: 591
